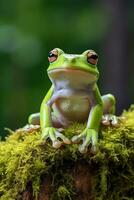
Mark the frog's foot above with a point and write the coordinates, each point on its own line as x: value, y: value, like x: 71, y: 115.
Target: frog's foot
x: 110, y: 119
x: 88, y: 136
x: 30, y: 128
x: 54, y: 134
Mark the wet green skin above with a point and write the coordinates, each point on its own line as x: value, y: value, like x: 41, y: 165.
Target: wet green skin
x: 73, y: 97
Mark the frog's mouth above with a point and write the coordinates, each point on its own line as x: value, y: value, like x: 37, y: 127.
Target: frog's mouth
x: 77, y: 75
x: 74, y: 69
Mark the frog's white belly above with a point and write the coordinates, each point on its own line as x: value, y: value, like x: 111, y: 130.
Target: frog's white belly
x: 71, y: 109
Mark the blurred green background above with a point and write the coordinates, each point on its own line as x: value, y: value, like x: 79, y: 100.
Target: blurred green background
x: 29, y: 29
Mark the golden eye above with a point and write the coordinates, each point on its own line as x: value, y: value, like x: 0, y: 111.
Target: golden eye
x: 92, y: 57
x: 53, y: 55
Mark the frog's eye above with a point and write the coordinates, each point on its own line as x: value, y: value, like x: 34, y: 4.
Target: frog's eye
x: 92, y: 57
x: 52, y: 55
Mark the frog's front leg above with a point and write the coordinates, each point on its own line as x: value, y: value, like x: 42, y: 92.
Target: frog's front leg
x: 48, y: 131
x: 90, y: 134
x: 53, y: 134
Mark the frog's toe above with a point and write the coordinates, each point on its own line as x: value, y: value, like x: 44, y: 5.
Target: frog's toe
x: 49, y: 132
x: 94, y: 139
x: 83, y: 149
x: 105, y: 120
x: 94, y: 149
x: 77, y: 138
x: 29, y: 128
x: 89, y: 136
x: 114, y: 121
x: 44, y: 134
x: 56, y: 144
x: 62, y: 137
x: 110, y: 119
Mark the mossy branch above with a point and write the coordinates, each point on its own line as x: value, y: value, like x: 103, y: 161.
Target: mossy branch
x: 27, y: 164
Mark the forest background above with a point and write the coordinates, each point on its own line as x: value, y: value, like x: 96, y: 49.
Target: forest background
x: 29, y: 29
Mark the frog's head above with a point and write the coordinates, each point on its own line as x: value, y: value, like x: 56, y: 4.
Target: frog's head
x: 84, y: 64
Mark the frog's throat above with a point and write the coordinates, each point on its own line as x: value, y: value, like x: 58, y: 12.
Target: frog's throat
x: 72, y: 78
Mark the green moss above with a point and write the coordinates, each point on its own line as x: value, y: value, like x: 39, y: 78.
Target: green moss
x: 25, y: 159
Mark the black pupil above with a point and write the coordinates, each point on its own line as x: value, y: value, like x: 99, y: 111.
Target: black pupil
x: 93, y: 56
x: 51, y: 55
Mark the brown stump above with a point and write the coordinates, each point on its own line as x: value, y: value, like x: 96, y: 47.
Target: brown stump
x: 82, y: 177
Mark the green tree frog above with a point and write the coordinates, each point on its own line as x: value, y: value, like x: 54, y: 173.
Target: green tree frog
x: 74, y: 97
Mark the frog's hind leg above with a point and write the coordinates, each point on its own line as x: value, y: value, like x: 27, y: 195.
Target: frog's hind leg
x: 108, y: 104
x: 34, y: 119
x: 109, y: 110
x: 33, y: 123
